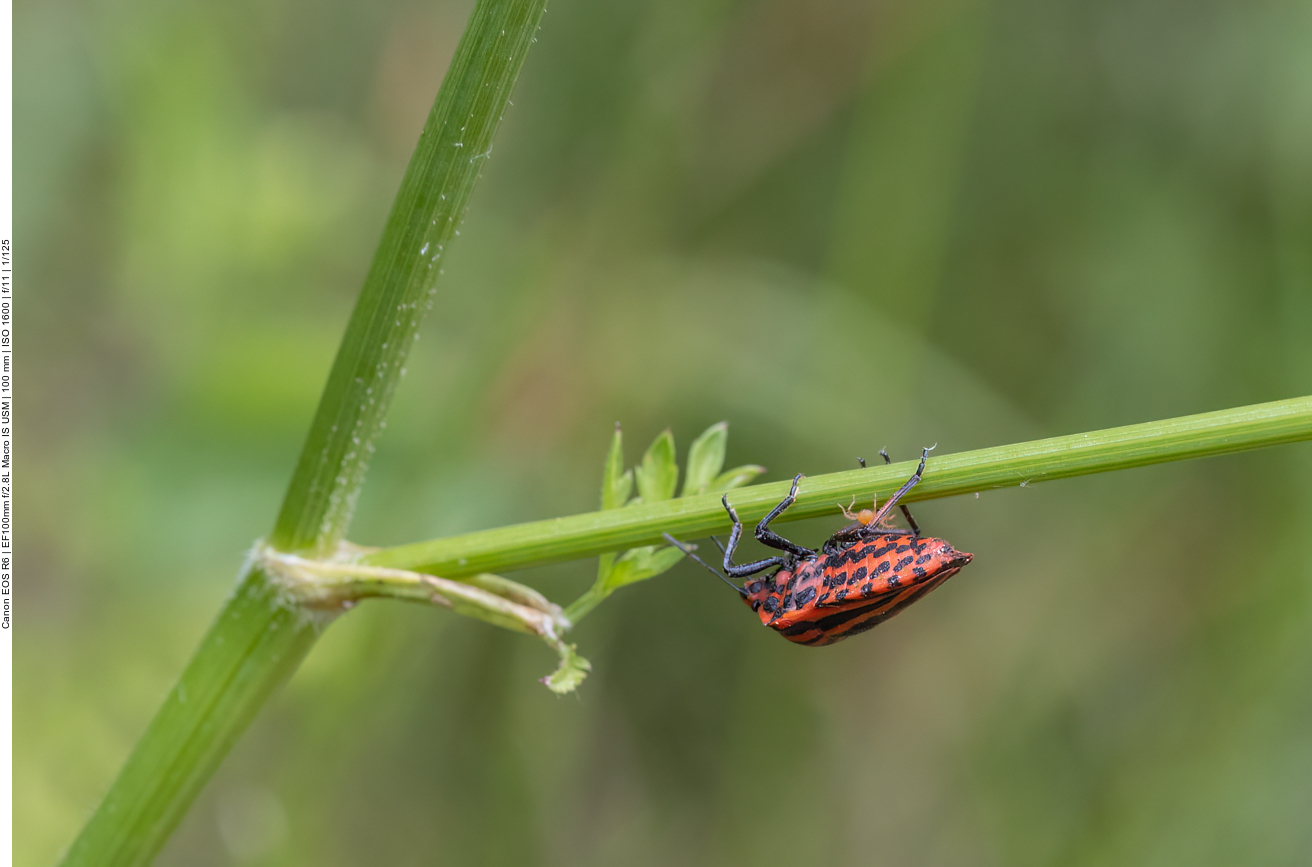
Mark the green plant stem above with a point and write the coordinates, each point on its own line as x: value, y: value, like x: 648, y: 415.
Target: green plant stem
x: 582, y: 607
x: 587, y: 535
x: 261, y: 635
x: 255, y: 644
x: 456, y: 141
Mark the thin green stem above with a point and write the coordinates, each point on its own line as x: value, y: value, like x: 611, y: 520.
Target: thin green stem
x: 587, y: 535
x: 262, y: 633
x: 335, y: 586
x: 582, y: 607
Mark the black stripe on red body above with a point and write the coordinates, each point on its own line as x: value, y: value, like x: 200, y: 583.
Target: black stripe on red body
x: 846, y: 591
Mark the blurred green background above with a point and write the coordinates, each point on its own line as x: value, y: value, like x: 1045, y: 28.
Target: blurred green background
x: 839, y: 225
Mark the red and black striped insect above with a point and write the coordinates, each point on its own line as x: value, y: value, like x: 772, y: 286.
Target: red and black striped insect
x: 862, y: 575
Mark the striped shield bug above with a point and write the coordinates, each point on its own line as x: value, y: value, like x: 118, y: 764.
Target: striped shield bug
x: 861, y: 576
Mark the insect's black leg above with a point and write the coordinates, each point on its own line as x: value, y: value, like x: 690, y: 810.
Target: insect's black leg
x: 906, y: 513
x: 734, y: 535
x: 688, y: 549
x: 849, y: 536
x: 766, y: 536
x: 901, y: 492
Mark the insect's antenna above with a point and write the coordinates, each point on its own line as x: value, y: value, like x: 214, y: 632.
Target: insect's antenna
x: 688, y: 549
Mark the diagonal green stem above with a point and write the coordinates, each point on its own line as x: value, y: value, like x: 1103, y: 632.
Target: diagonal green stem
x: 254, y: 645
x: 262, y: 635
x: 456, y: 141
x: 540, y: 542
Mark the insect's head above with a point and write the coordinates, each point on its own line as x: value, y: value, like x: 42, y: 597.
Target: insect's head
x: 761, y: 593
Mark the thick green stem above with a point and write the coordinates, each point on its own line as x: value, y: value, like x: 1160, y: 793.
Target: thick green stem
x: 255, y: 644
x: 577, y: 536
x: 261, y: 635
x: 456, y: 141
